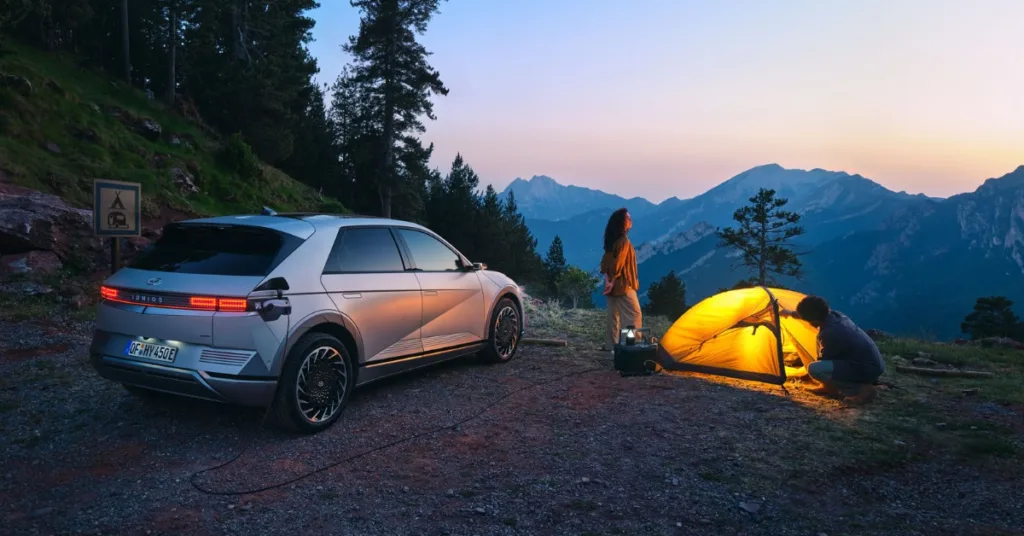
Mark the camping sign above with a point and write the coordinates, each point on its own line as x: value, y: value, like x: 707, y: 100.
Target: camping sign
x: 117, y: 208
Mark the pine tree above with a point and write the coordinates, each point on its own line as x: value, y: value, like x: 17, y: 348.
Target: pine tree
x: 393, y: 68
x: 667, y: 297
x: 491, y: 238
x: 357, y: 137
x: 243, y: 65
x: 12, y: 12
x: 316, y: 157
x: 125, y: 50
x: 522, y: 246
x: 763, y: 235
x: 992, y: 316
x: 453, y: 207
x: 554, y: 264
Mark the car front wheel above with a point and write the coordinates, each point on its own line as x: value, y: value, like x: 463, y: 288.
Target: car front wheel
x: 315, y: 385
x: 505, y: 330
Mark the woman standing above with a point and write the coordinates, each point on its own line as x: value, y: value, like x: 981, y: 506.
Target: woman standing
x: 620, y: 278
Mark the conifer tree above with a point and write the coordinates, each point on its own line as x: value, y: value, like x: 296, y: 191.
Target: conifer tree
x: 393, y: 68
x: 763, y: 237
x: 667, y: 297
x: 554, y: 264
x: 992, y: 316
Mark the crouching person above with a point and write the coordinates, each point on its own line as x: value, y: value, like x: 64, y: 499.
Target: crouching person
x: 849, y: 362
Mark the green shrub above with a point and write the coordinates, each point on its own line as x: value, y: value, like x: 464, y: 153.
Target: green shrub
x: 239, y: 157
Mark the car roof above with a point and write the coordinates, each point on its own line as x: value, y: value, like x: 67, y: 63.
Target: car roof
x: 302, y: 224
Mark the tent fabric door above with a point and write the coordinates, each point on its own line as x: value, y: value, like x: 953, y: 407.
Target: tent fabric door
x: 741, y: 333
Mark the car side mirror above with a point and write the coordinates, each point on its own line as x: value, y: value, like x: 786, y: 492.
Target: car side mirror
x: 479, y: 266
x: 473, y: 266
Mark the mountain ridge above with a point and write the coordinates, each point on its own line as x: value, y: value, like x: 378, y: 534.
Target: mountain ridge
x: 872, y: 250
x: 542, y: 197
x: 867, y: 203
x: 917, y: 273
x: 529, y: 191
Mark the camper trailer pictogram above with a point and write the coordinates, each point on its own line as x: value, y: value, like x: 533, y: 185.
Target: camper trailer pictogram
x: 117, y: 219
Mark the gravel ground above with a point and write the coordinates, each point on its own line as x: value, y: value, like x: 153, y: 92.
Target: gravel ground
x: 591, y: 453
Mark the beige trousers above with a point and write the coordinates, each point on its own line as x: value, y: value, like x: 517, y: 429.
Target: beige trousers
x: 622, y: 311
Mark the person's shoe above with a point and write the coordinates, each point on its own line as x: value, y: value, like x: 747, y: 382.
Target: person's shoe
x: 863, y: 395
x: 824, y: 390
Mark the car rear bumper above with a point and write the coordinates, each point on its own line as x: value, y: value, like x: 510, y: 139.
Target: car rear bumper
x: 187, y: 376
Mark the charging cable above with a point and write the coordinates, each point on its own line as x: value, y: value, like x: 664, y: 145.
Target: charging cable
x: 481, y: 411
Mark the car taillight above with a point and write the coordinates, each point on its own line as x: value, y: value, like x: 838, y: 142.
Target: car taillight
x: 233, y: 305
x: 203, y: 303
x: 108, y: 293
x: 176, y: 301
x: 225, y: 305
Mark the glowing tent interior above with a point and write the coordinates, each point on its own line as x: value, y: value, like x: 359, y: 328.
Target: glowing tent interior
x: 742, y: 333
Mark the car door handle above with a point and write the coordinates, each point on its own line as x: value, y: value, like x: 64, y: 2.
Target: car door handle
x: 351, y: 295
x: 430, y: 293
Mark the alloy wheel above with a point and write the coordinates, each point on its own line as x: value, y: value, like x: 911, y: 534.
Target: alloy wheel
x: 506, y: 331
x: 321, y: 384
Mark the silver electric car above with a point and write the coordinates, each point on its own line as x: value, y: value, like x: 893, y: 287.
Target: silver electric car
x: 294, y: 311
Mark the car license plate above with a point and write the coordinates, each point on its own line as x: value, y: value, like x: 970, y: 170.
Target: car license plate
x: 149, y: 350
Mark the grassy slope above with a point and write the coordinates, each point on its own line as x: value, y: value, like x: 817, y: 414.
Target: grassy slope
x: 66, y: 99
x: 917, y: 419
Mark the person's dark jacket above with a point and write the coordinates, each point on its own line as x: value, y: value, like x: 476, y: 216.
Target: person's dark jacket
x: 842, y: 340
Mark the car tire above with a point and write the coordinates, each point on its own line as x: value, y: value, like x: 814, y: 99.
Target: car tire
x: 504, y: 333
x: 315, y: 361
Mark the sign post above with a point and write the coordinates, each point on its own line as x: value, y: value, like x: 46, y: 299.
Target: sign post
x: 116, y: 213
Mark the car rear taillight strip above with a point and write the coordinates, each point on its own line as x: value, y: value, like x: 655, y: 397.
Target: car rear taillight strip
x: 176, y: 301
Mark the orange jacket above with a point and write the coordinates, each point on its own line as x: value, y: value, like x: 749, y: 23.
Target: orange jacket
x: 619, y: 265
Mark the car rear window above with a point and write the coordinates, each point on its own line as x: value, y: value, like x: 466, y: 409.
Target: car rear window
x: 213, y: 250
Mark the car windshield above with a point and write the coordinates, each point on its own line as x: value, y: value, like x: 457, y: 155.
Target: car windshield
x: 212, y: 250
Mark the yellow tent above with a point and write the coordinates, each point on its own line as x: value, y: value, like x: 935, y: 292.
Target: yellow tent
x: 743, y: 333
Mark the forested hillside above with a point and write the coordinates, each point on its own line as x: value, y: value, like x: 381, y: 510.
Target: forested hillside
x: 212, y: 105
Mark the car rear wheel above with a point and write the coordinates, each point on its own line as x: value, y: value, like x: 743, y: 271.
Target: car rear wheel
x: 505, y: 330
x: 315, y: 385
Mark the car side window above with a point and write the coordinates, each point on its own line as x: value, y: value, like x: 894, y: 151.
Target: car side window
x: 428, y: 253
x: 365, y: 250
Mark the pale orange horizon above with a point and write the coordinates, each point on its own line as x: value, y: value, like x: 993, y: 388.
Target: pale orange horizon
x: 664, y: 98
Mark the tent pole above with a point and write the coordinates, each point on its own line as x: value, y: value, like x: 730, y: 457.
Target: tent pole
x: 778, y: 333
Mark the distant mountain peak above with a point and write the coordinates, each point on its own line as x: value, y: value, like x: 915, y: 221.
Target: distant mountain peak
x: 1014, y: 179
x: 542, y: 197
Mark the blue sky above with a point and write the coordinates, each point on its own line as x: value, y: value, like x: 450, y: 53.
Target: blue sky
x: 670, y: 97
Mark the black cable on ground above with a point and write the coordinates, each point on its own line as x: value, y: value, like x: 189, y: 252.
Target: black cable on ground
x: 192, y: 479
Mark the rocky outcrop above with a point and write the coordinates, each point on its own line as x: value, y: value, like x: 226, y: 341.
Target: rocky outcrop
x: 34, y: 221
x: 184, y: 181
x: 674, y: 242
x: 32, y: 262
x: 149, y: 129
x: 39, y: 233
x: 18, y: 83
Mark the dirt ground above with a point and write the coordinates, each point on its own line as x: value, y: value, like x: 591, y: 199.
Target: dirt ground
x: 587, y: 452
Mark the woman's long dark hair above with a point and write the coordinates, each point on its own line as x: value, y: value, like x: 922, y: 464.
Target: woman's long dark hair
x: 615, y: 229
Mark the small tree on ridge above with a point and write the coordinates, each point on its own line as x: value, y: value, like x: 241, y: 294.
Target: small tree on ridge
x: 576, y: 285
x: 667, y: 297
x: 762, y: 236
x: 554, y: 264
x: 992, y: 316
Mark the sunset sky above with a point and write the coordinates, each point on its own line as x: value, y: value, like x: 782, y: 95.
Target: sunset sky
x: 669, y: 97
